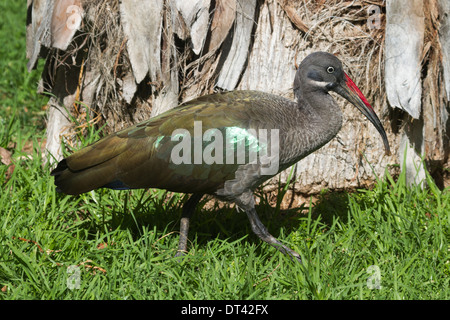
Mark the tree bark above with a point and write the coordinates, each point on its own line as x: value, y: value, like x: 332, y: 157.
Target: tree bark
x: 130, y: 60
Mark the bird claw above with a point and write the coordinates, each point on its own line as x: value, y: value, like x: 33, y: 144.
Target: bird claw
x: 296, y: 256
x: 180, y: 256
x: 291, y: 253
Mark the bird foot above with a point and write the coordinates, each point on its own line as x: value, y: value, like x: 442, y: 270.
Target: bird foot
x: 291, y: 253
x: 180, y: 255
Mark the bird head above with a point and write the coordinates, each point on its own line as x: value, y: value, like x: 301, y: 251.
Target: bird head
x: 323, y: 72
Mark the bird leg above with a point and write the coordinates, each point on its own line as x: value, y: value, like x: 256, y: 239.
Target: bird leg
x: 188, y: 211
x: 261, y: 231
x: 246, y: 202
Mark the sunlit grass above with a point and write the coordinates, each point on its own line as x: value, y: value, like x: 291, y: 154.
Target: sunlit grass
x: 123, y: 244
x: 120, y: 245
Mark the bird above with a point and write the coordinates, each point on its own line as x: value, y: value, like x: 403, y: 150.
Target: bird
x: 224, y: 144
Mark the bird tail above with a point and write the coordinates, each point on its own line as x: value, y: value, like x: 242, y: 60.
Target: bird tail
x: 90, y: 168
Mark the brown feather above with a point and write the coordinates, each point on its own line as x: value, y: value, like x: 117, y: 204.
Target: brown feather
x: 130, y: 156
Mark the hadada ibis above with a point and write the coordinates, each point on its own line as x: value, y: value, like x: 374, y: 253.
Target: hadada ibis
x: 173, y: 150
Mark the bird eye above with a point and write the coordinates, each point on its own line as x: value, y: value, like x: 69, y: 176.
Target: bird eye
x: 330, y: 70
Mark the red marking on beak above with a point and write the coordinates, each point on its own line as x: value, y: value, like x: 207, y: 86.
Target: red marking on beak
x: 356, y: 90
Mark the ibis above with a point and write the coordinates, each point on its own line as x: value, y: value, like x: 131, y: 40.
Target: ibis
x: 223, y: 144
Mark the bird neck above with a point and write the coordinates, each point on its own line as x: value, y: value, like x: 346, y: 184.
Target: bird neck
x: 319, y: 105
x: 318, y: 119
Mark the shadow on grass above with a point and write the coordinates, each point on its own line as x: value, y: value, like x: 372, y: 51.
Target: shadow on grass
x: 212, y: 220
x: 330, y: 206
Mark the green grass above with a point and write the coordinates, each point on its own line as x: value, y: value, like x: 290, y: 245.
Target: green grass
x: 120, y: 245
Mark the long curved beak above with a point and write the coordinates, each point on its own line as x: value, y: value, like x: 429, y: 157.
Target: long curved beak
x: 351, y: 92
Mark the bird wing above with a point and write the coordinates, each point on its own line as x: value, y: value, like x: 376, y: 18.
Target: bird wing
x: 141, y: 156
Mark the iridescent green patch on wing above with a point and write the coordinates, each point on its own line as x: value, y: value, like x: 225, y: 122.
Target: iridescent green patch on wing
x: 214, y: 153
x: 242, y: 145
x: 156, y: 144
